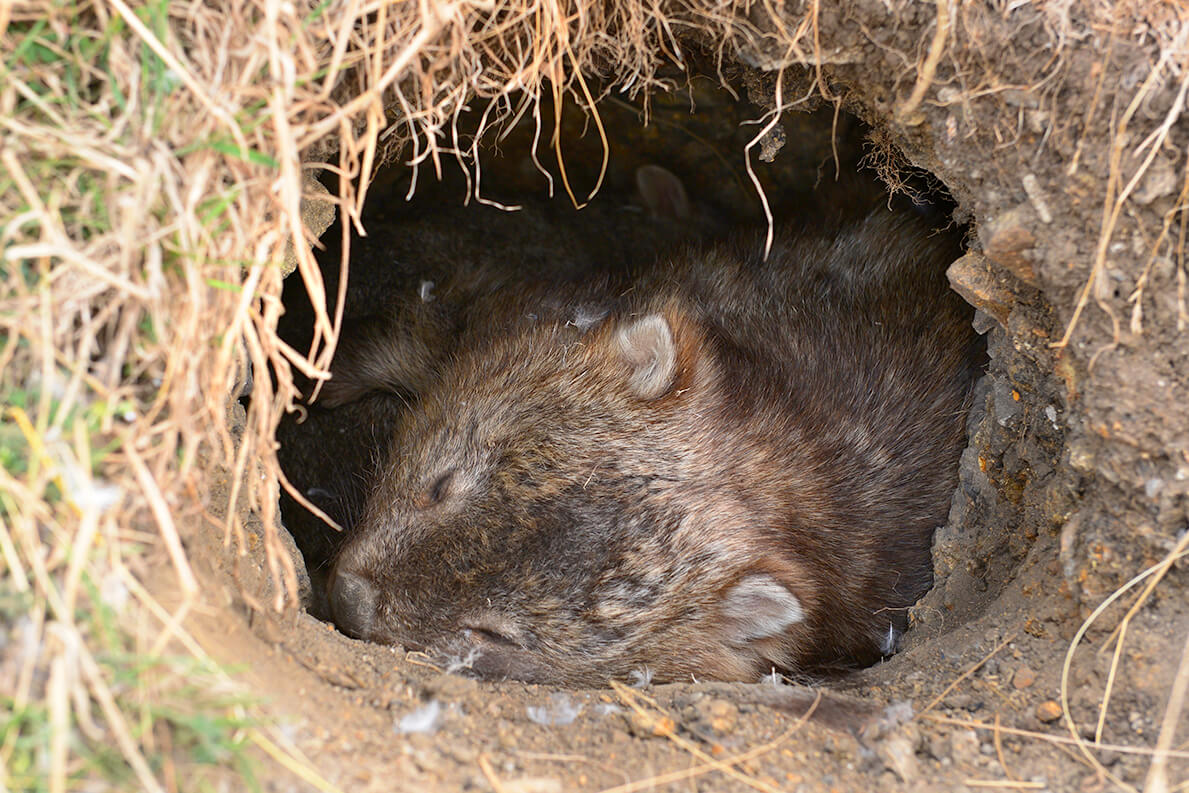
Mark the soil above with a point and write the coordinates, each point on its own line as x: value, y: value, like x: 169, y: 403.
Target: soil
x: 1076, y: 478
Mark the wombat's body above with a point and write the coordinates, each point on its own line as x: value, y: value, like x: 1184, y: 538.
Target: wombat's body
x: 714, y: 467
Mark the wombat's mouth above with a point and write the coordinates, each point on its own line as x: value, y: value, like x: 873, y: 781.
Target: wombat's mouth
x: 493, y: 637
x: 491, y: 655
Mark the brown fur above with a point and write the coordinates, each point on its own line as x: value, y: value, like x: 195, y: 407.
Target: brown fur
x: 726, y: 466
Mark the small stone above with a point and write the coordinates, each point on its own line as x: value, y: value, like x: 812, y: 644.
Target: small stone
x: 971, y: 278
x: 717, y: 715
x: 1161, y: 179
x: 963, y: 701
x: 646, y: 725
x: 1081, y: 456
x: 1048, y: 711
x: 983, y: 322
x: 1023, y: 678
x: 1006, y: 405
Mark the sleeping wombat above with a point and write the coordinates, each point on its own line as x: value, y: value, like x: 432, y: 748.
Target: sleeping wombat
x: 711, y: 467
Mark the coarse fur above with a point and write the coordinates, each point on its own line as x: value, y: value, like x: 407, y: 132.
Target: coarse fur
x: 711, y: 467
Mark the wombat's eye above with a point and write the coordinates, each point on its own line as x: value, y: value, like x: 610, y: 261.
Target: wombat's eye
x: 437, y: 491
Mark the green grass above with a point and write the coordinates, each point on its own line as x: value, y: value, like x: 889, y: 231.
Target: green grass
x: 158, y: 81
x: 206, y: 733
x: 75, y: 94
x: 26, y: 730
x: 210, y: 737
x: 178, y: 710
x: 15, y: 450
x: 57, y: 68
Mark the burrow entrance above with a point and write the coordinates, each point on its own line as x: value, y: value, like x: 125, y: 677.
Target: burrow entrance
x: 1010, y: 493
x: 1024, y: 550
x: 817, y: 162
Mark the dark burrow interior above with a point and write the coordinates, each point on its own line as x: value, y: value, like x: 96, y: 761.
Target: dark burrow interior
x: 811, y: 162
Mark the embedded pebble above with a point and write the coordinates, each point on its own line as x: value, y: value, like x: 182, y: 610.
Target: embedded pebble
x: 1048, y: 711
x: 970, y: 277
x: 1023, y: 678
x: 645, y: 725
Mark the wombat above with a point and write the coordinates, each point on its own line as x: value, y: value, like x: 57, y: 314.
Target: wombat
x: 712, y: 466
x: 428, y: 276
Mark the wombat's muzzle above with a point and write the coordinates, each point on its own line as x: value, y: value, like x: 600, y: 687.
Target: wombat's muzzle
x: 353, y: 603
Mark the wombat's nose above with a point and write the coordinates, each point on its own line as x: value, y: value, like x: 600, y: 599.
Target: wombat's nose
x: 353, y: 603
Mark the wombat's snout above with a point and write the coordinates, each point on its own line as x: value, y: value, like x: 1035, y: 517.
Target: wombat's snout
x: 353, y: 603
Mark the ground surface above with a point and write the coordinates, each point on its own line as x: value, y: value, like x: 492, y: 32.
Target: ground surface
x: 970, y: 709
x: 1075, y: 481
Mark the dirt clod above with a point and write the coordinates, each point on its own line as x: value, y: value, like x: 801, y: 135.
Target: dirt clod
x: 715, y: 716
x: 898, y: 753
x: 971, y: 278
x: 1009, y: 244
x: 647, y: 725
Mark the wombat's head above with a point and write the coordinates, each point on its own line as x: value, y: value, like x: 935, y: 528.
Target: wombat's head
x: 546, y: 516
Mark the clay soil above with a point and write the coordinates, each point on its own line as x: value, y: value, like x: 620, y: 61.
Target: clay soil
x: 1075, y: 479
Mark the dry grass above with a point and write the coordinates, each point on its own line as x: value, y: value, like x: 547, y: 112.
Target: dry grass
x: 151, y: 171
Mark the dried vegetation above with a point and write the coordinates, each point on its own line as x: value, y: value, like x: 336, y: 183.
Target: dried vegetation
x: 151, y: 178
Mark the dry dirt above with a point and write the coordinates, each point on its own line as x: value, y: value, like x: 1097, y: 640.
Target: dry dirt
x: 1076, y: 478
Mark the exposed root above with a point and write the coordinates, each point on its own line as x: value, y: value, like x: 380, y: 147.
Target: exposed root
x: 1116, y: 198
x: 906, y: 112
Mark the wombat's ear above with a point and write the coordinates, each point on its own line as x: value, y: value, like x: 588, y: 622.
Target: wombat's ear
x: 759, y: 607
x: 663, y: 193
x: 647, y: 347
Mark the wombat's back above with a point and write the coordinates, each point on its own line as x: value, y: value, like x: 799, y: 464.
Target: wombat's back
x: 846, y: 367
